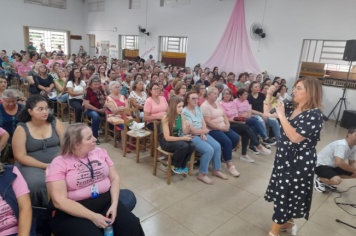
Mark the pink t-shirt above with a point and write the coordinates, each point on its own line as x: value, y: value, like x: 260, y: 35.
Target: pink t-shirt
x: 217, y: 115
x: 201, y: 101
x: 2, y: 131
x: 8, y: 221
x: 59, y: 61
x: 24, y: 69
x: 17, y: 64
x: 156, y: 109
x: 242, y: 107
x: 77, y: 176
x: 229, y: 109
x: 30, y: 63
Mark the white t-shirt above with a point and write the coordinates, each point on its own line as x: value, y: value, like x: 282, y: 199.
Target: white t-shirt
x: 77, y: 89
x: 280, y: 99
x: 339, y: 148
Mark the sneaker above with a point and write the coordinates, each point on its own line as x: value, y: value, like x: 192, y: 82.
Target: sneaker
x: 266, y: 146
x: 264, y: 150
x: 164, y: 166
x: 332, y: 187
x: 176, y: 170
x: 97, y: 142
x: 253, y: 150
x: 318, y: 185
x: 247, y: 158
x: 185, y: 170
x: 269, y: 141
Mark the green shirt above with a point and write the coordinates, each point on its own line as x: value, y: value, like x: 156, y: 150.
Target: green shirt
x: 238, y: 84
x: 178, y: 126
x: 61, y: 83
x: 31, y: 48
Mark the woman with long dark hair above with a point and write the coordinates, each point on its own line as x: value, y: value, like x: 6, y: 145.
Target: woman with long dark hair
x: 75, y: 87
x: 35, y: 144
x: 291, y: 183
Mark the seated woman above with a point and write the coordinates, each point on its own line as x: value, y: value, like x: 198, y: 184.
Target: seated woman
x: 282, y: 93
x: 44, y: 81
x: 244, y: 110
x: 173, y: 84
x: 16, y: 211
x: 264, y: 88
x: 220, y: 130
x: 54, y: 71
x: 188, y: 82
x: 23, y: 70
x: 94, y: 101
x: 111, y: 77
x: 9, y: 110
x: 115, y: 104
x: 163, y: 78
x: 84, y: 188
x: 201, y: 90
x: 204, y: 143
x: 37, y: 144
x: 230, y: 83
x: 138, y: 96
x: 32, y: 76
x: 4, y: 138
x: 179, y: 90
x: 241, y: 128
x: 256, y: 101
x: 155, y: 107
x: 3, y: 85
x: 240, y: 83
x: 75, y: 87
x: 174, y: 139
x: 62, y: 95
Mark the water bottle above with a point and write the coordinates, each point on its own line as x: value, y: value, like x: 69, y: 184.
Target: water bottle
x: 109, y: 231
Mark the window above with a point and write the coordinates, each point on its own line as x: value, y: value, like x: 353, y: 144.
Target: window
x: 62, y: 4
x: 129, y: 42
x: 174, y: 44
x: 97, y: 6
x: 135, y: 4
x: 174, y: 2
x: 51, y: 39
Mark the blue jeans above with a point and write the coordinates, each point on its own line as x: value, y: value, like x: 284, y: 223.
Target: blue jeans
x: 256, y: 127
x: 227, y: 140
x: 271, y: 122
x: 211, y: 151
x: 63, y: 98
x: 95, y: 121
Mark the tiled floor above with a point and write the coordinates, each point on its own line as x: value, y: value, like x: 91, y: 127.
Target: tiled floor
x: 234, y: 207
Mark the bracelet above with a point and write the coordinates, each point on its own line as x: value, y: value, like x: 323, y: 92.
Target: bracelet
x: 266, y: 103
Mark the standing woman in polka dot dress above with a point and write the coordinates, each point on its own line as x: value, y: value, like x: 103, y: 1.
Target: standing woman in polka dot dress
x: 291, y: 183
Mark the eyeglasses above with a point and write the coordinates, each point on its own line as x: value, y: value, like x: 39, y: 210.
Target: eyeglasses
x: 298, y: 88
x: 195, y: 99
x: 156, y: 89
x: 10, y: 102
x: 117, y: 87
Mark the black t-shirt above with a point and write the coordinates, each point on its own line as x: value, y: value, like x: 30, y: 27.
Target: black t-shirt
x: 257, y: 103
x: 46, y: 82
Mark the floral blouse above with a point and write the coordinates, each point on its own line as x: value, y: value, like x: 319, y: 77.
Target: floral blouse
x: 140, y: 100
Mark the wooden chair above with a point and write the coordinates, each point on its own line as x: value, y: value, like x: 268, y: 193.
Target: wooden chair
x: 61, y: 107
x: 87, y: 119
x: 72, y: 115
x: 139, y: 136
x: 108, y: 131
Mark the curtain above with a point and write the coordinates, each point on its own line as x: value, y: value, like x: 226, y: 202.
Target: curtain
x: 233, y: 52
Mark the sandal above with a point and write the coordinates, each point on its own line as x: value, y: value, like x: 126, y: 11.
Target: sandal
x: 127, y: 150
x: 273, y: 234
x: 220, y: 175
x: 293, y: 230
x: 233, y: 171
x: 206, y: 180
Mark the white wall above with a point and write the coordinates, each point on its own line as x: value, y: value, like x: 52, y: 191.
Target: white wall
x: 15, y: 14
x: 287, y: 23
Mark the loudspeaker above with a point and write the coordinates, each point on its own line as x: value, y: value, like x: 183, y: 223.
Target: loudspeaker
x: 348, y: 119
x: 350, y: 51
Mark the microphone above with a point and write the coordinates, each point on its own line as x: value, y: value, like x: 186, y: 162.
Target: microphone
x: 287, y: 101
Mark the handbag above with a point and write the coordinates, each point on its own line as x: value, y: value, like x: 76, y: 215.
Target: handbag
x: 115, y: 119
x: 240, y: 119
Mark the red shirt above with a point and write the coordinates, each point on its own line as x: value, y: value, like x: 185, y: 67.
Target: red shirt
x: 169, y: 88
x: 97, y: 98
x: 233, y: 88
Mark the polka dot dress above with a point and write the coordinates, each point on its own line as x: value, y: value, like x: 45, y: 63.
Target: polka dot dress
x: 291, y: 183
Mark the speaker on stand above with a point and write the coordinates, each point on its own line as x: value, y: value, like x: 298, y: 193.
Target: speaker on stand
x: 350, y: 56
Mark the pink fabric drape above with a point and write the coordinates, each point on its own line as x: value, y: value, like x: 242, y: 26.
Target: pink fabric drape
x: 233, y: 53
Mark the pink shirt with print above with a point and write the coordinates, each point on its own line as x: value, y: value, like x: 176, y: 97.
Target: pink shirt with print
x: 229, y: 109
x: 242, y: 107
x: 8, y: 221
x: 77, y: 176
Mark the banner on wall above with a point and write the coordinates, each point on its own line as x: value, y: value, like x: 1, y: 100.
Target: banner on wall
x: 105, y: 48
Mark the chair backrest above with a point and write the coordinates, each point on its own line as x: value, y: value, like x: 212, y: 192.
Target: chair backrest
x: 128, y: 112
x: 157, y: 132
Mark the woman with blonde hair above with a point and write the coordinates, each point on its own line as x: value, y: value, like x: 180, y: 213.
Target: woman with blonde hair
x: 62, y: 95
x: 293, y: 173
x: 45, y: 82
x: 173, y: 84
x: 180, y: 90
x: 54, y: 70
x: 84, y: 187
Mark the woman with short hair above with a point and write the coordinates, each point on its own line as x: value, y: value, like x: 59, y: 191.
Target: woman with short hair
x: 35, y: 144
x: 180, y: 90
x: 230, y: 84
x: 44, y: 81
x: 84, y: 188
x: 201, y: 90
x: 240, y: 83
x: 94, y: 102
